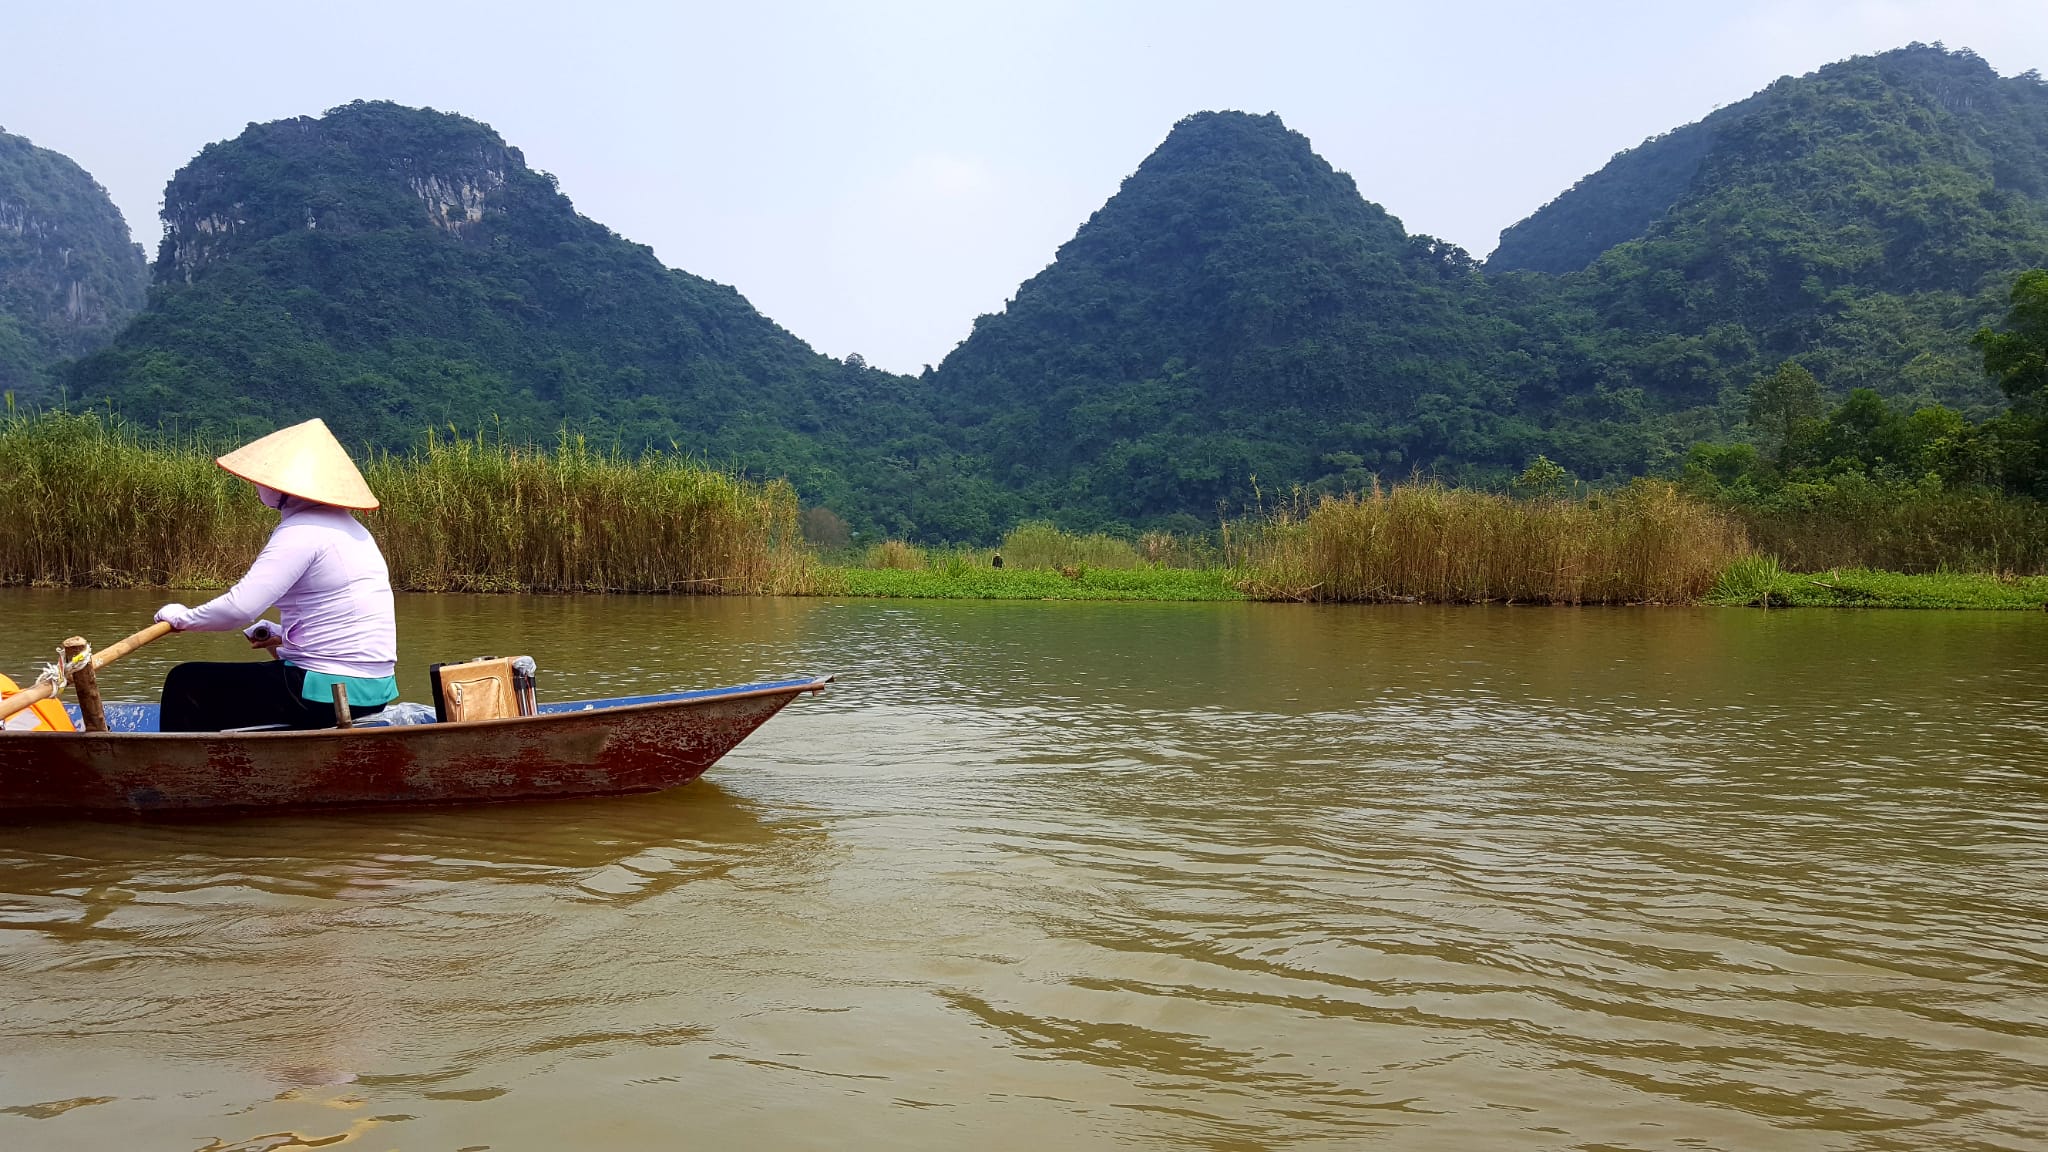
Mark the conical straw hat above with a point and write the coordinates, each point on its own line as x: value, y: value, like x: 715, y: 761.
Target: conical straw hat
x: 304, y: 460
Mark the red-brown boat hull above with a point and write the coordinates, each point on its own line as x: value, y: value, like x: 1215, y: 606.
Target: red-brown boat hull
x: 599, y: 751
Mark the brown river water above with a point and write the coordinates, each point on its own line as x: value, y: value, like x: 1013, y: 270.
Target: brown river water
x: 1042, y: 875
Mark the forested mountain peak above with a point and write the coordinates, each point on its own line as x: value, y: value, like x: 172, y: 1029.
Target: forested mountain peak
x: 1865, y: 219
x: 1225, y: 173
x: 1214, y: 320
x: 1905, y: 108
x: 69, y: 273
x: 362, y: 167
x: 399, y: 269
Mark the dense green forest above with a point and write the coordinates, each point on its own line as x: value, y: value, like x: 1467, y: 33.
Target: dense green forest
x: 1874, y: 483
x: 1238, y: 321
x: 1864, y: 220
x: 1237, y: 310
x: 69, y: 274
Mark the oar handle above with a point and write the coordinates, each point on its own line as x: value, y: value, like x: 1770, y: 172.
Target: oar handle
x: 120, y: 648
x: 29, y: 697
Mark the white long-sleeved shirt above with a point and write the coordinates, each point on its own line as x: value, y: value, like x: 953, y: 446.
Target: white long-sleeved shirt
x: 331, y: 588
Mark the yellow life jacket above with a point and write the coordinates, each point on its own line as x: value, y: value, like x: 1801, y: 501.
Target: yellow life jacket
x: 41, y: 716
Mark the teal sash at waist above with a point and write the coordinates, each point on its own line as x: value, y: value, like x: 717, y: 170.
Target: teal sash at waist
x: 363, y: 691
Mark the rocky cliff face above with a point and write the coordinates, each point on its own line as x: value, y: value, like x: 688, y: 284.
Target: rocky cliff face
x: 69, y: 274
x: 454, y: 201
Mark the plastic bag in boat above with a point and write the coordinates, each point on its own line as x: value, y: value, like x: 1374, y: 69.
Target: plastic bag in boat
x: 399, y: 714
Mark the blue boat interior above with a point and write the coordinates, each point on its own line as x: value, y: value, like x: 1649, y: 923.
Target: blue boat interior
x: 143, y: 717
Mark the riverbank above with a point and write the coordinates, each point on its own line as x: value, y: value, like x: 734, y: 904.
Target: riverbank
x: 1759, y: 583
x: 1837, y: 589
x: 982, y: 583
x: 98, y: 503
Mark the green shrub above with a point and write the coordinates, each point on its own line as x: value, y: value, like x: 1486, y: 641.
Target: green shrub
x: 1041, y: 544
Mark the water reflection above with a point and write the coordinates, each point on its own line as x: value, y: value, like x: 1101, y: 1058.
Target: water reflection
x: 1224, y: 876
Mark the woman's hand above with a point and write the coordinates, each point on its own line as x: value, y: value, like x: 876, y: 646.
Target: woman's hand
x: 175, y: 615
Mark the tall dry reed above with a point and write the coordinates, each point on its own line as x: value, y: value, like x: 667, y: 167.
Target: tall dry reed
x: 473, y: 515
x: 91, y: 504
x: 1424, y: 541
x: 96, y: 503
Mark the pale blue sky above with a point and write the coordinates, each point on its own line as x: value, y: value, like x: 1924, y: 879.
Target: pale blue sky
x: 873, y: 176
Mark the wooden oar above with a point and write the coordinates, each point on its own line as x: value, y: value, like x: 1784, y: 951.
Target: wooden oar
x: 105, y: 656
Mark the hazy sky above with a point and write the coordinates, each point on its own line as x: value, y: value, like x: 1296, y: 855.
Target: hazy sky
x: 873, y: 176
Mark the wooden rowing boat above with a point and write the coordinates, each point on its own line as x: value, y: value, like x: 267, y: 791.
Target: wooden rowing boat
x: 582, y: 748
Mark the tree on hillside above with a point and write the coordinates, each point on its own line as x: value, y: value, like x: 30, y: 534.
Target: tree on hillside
x: 824, y: 528
x: 2018, y: 356
x: 1543, y: 479
x: 1785, y: 411
x: 2018, y: 359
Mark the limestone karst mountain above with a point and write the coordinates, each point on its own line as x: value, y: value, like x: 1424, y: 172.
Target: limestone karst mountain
x: 1865, y: 218
x: 400, y: 269
x: 1237, y: 309
x: 69, y: 274
x: 1238, y: 321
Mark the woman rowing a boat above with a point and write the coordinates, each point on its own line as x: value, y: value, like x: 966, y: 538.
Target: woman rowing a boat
x: 331, y: 588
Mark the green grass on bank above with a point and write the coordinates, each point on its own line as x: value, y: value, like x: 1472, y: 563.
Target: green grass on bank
x: 1847, y: 588
x: 1759, y: 582
x: 965, y: 582
x: 98, y: 503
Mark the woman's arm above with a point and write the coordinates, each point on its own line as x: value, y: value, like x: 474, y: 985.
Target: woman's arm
x: 283, y: 560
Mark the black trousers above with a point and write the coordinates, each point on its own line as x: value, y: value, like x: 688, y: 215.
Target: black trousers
x: 210, y: 696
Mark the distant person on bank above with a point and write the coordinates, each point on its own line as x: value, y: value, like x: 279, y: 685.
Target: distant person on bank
x: 330, y: 586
